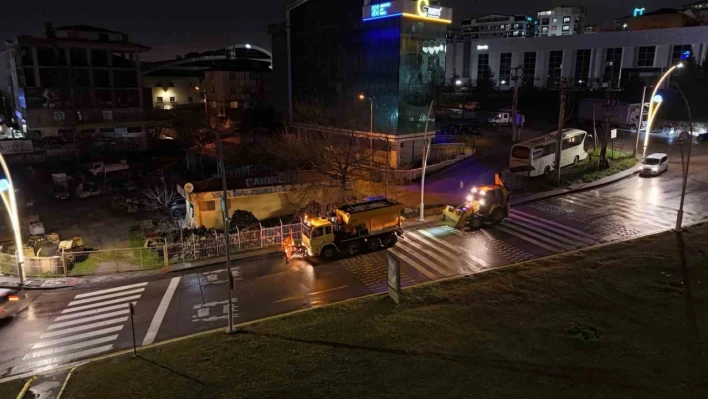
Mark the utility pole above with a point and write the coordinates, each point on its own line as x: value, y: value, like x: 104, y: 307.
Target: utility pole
x: 515, y: 136
x: 559, y: 135
x: 639, y: 121
x: 227, y: 231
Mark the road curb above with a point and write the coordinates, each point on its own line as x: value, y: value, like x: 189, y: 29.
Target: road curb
x: 73, y: 366
x: 605, y: 181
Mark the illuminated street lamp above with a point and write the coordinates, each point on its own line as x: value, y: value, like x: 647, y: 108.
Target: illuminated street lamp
x: 371, y: 124
x: 426, y: 150
x: 7, y: 192
x: 653, y: 109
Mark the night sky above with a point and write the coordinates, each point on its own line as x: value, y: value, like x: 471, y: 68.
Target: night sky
x: 171, y: 29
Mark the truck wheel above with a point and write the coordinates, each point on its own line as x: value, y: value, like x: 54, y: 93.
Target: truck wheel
x: 328, y: 252
x: 576, y: 159
x: 498, y: 215
x: 373, y: 244
x: 547, y: 170
x: 390, y: 240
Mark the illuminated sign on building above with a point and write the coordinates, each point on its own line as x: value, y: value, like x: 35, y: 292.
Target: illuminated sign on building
x: 639, y: 11
x: 379, y: 10
x: 482, y: 47
x: 434, y: 49
x: 426, y: 10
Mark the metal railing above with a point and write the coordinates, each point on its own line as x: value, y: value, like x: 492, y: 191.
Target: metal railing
x: 191, y: 248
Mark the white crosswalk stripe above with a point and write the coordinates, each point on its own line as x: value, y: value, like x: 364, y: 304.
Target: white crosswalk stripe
x: 640, y: 213
x: 88, y: 326
x: 546, y: 234
x: 434, y: 257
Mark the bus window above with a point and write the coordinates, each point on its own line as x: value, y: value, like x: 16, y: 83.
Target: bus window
x: 538, y: 152
x: 520, y: 152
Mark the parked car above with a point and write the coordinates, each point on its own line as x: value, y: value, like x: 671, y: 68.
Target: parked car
x: 703, y: 137
x: 654, y: 164
x: 11, y: 302
x: 61, y: 192
x: 178, y: 207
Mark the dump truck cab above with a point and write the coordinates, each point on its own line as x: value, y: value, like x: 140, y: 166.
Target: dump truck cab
x: 317, y: 233
x: 483, y: 204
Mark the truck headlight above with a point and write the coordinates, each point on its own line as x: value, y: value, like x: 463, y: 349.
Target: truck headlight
x: 482, y: 202
x: 469, y: 198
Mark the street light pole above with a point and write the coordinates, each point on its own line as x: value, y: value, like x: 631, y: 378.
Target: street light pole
x: 679, y: 215
x: 371, y: 128
x: 639, y: 121
x: 652, y: 109
x: 227, y: 231
x: 426, y: 150
x: 11, y: 205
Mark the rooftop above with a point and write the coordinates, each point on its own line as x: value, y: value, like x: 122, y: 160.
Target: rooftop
x: 86, y: 28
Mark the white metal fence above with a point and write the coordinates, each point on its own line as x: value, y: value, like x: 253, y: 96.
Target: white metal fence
x: 189, y: 249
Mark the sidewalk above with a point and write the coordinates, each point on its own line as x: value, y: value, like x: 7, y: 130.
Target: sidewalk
x: 49, y: 283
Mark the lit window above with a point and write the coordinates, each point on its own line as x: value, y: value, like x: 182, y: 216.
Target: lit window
x: 107, y: 115
x: 566, y: 28
x: 172, y: 100
x: 566, y: 20
x: 233, y: 104
x: 554, y: 27
x: 59, y: 116
x: 554, y: 20
x: 544, y: 29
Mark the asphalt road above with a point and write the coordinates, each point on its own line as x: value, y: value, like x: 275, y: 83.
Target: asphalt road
x: 61, y: 327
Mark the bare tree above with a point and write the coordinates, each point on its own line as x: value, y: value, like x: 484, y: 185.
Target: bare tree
x: 334, y: 147
x: 158, y: 195
x: 194, y: 134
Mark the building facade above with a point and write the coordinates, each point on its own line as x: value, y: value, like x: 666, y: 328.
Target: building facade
x: 561, y: 21
x: 231, y: 90
x: 592, y: 61
x: 392, y: 53
x: 77, y: 80
x: 497, y: 26
x: 181, y: 83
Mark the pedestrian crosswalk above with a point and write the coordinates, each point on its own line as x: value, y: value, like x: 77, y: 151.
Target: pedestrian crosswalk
x: 434, y: 257
x: 88, y: 326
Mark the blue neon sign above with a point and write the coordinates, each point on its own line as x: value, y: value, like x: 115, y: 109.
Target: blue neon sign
x: 686, y: 55
x: 380, y: 10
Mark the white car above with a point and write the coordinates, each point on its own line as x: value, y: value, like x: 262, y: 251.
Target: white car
x: 654, y: 164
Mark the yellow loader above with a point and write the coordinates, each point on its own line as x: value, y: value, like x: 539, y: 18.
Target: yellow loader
x: 485, y: 204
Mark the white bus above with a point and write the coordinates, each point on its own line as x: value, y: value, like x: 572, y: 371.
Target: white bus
x: 541, y: 151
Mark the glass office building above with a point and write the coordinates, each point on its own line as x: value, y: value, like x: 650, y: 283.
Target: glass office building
x: 393, y: 52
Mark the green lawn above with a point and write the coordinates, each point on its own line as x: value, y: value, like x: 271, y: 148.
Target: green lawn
x: 587, y: 172
x: 611, y: 322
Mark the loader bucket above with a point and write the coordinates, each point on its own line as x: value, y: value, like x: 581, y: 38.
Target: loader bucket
x: 452, y: 216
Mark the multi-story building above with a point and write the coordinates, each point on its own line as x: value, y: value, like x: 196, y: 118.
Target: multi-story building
x: 234, y: 88
x: 392, y: 52
x: 180, y: 83
x: 700, y: 9
x: 495, y: 26
x: 603, y: 59
x: 561, y: 21
x: 663, y: 18
x: 77, y: 79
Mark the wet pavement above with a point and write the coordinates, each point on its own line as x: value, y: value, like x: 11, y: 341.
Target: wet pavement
x: 64, y: 326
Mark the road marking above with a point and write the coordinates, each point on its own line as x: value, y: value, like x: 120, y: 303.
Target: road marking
x: 99, y: 304
x: 47, y: 352
x: 290, y: 298
x: 459, y: 250
x: 413, y: 263
x: 44, y: 344
x: 160, y: 313
x: 84, y: 327
x: 106, y: 291
x: 87, y: 319
x: 109, y: 296
x: 68, y: 357
x: 420, y: 243
x: 427, y: 262
x: 560, y: 225
x: 542, y: 231
x: 92, y: 312
x: 529, y: 239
